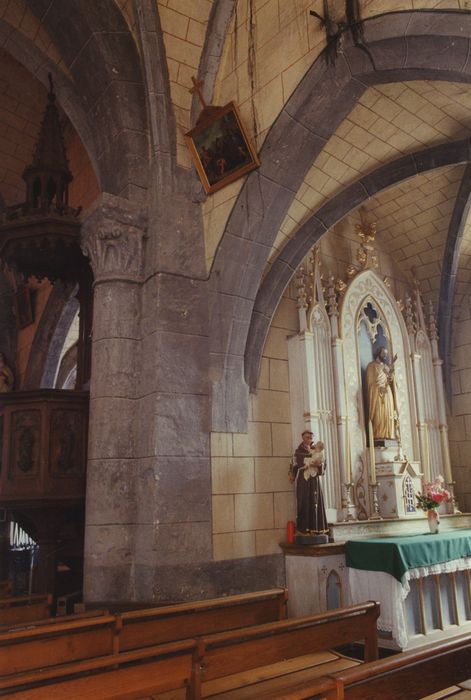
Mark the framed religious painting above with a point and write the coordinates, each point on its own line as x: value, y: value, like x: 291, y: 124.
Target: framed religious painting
x: 220, y: 148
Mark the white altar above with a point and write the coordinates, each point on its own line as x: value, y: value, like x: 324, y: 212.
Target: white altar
x: 344, y: 323
x: 346, y: 320
x: 429, y: 605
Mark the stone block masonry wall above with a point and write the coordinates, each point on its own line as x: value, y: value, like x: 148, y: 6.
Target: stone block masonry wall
x: 283, y: 42
x: 252, y: 498
x: 184, y: 25
x: 460, y: 423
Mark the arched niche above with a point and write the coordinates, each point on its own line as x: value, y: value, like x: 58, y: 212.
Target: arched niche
x: 367, y: 288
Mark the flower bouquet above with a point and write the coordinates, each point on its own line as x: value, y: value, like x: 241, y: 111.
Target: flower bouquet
x: 433, y: 494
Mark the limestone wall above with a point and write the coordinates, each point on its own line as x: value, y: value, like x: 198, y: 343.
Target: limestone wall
x: 460, y: 423
x: 268, y: 49
x: 252, y: 498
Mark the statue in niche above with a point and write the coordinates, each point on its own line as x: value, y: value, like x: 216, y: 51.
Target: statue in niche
x: 7, y: 379
x: 307, y: 466
x: 381, y: 395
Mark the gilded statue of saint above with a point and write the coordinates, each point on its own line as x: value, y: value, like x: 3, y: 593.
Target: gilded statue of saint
x: 381, y: 403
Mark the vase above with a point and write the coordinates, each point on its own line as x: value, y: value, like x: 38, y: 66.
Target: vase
x: 433, y: 521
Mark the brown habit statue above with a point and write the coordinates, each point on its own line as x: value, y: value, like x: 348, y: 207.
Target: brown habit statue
x: 308, y: 465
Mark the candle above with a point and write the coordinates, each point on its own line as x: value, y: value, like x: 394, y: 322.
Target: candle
x: 348, y: 459
x: 372, y: 453
x: 427, y: 453
x: 290, y: 530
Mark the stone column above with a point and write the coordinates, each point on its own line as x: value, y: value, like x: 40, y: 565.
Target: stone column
x: 113, y: 237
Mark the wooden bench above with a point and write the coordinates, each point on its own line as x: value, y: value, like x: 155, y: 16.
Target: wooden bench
x: 139, y: 628
x: 412, y: 675
x: 5, y: 588
x: 64, y: 640
x: 24, y: 608
x: 135, y: 674
x: 422, y: 672
x: 57, y: 643
x: 248, y: 663
x: 32, y: 624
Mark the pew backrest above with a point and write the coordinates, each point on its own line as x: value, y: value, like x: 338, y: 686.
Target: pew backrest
x: 129, y: 675
x: 15, y: 609
x: 411, y: 674
x: 70, y: 639
x: 421, y: 672
x: 29, y: 625
x: 53, y: 644
x: 141, y: 628
x: 241, y: 650
x: 5, y: 588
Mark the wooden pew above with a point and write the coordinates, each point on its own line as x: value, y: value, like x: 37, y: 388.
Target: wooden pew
x: 57, y: 643
x: 232, y: 662
x: 5, y: 588
x: 141, y: 628
x: 29, y: 625
x: 422, y: 672
x: 15, y: 609
x: 135, y: 674
x: 412, y: 674
x: 63, y: 640
x: 324, y: 688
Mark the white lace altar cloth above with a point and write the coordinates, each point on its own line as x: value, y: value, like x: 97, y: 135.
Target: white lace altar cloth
x: 391, y: 593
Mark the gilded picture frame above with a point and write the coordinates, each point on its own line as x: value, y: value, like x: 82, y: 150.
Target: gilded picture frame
x: 220, y: 148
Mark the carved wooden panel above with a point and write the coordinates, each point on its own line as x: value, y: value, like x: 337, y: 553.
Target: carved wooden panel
x: 44, y: 434
x: 66, y: 445
x: 25, y: 444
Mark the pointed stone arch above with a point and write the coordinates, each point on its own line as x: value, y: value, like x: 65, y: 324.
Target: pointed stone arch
x: 108, y: 111
x: 402, y: 46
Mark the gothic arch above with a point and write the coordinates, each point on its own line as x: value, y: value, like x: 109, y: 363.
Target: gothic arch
x: 402, y: 46
x: 107, y: 112
x: 321, y: 221
x: 366, y: 287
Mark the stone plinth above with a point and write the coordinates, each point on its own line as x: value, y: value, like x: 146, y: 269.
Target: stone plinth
x: 391, y: 527
x: 398, y: 482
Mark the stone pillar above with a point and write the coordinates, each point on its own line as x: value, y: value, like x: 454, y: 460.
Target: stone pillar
x: 113, y: 237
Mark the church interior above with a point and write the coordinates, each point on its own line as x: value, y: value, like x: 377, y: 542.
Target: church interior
x: 235, y: 349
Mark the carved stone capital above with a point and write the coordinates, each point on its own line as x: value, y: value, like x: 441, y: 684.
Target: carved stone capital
x: 113, y: 237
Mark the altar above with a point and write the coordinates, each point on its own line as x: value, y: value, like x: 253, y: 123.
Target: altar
x: 427, y: 602
x: 365, y: 377
x: 422, y: 583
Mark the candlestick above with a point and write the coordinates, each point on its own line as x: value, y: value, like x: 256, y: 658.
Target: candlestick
x: 454, y: 502
x: 349, y: 507
x: 372, y: 453
x: 375, y: 515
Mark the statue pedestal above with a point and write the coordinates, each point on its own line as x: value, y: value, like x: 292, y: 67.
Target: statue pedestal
x: 310, y: 539
x: 398, y: 482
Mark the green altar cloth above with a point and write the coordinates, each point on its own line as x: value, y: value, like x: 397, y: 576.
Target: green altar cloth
x: 395, y: 555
